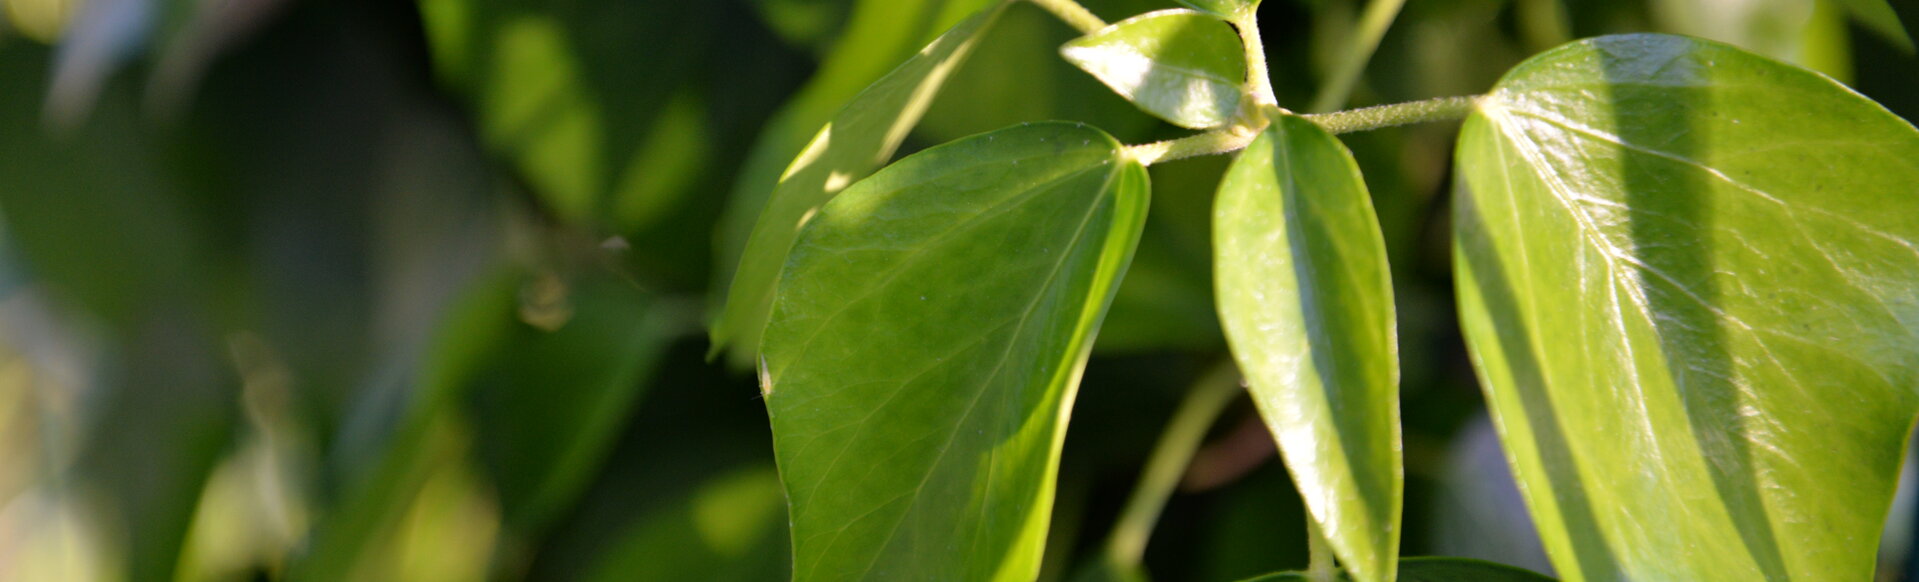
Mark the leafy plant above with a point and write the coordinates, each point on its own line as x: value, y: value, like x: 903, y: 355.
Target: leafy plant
x: 1688, y: 275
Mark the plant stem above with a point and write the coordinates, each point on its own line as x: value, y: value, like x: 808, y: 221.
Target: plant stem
x: 1072, y: 14
x: 1319, y: 565
x: 1371, y: 118
x: 1218, y: 141
x: 1259, y: 80
x: 1372, y: 26
x: 1203, y: 404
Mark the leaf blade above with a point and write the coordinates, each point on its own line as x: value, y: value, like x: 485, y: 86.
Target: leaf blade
x: 953, y: 479
x: 861, y: 137
x: 1648, y: 235
x: 1180, y: 65
x: 1306, y: 302
x: 1434, y: 569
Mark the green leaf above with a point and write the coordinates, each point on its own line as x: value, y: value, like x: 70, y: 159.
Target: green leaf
x: 1434, y: 570
x: 1307, y: 304
x: 726, y: 530
x: 1879, y: 16
x: 1228, y: 9
x: 1686, y: 276
x: 600, y: 137
x: 861, y: 137
x: 548, y: 403
x: 1182, y: 66
x: 926, y: 345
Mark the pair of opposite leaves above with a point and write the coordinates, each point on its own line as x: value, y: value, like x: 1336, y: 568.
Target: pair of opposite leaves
x: 1659, y: 242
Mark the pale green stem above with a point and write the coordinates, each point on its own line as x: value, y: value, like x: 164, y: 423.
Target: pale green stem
x: 1203, y: 404
x: 1319, y: 565
x: 1370, y: 118
x: 1072, y: 14
x: 1218, y: 141
x: 1372, y: 27
x: 1259, y: 80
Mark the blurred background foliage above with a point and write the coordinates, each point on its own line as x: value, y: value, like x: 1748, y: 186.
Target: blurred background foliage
x: 371, y: 290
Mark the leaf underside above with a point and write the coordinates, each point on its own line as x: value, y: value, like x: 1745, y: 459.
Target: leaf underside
x: 1689, y: 282
x: 1307, y: 305
x: 1182, y: 66
x: 925, y: 347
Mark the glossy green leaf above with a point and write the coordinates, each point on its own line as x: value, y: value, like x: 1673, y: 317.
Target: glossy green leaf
x: 861, y: 137
x: 926, y: 346
x: 1307, y: 304
x: 1687, y: 279
x: 1435, y: 570
x: 1182, y: 66
x: 1230, y: 9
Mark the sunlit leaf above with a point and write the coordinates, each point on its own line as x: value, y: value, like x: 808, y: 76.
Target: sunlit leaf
x: 926, y: 346
x: 1687, y: 278
x: 1307, y: 304
x: 861, y: 137
x: 1180, y: 65
x: 1434, y: 570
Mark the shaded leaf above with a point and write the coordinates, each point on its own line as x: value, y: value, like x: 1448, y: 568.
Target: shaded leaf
x: 1686, y: 276
x: 1435, y: 570
x: 1879, y: 16
x: 547, y: 404
x: 861, y: 137
x: 1229, y: 9
x: 1306, y: 300
x: 726, y: 530
x: 1182, y: 66
x: 926, y: 346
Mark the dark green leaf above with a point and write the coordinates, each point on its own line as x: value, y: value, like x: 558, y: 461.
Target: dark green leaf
x: 861, y: 137
x: 1182, y: 66
x: 1435, y: 570
x: 1687, y: 278
x: 548, y: 403
x: 1307, y: 303
x: 926, y: 345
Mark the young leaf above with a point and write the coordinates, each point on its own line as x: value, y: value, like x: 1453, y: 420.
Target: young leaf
x: 860, y: 137
x: 1307, y: 305
x: 1228, y: 9
x: 926, y: 344
x: 1179, y: 65
x: 1435, y: 570
x: 1689, y: 280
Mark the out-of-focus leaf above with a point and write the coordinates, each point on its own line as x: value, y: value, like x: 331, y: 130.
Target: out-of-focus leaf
x: 1879, y: 17
x: 374, y: 497
x: 1434, y: 570
x: 1182, y: 66
x: 926, y: 344
x: 1306, y: 300
x: 1774, y: 28
x: 548, y: 403
x: 602, y: 137
x: 808, y: 23
x: 727, y: 530
x: 1686, y: 278
x: 1228, y: 9
x: 861, y: 137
